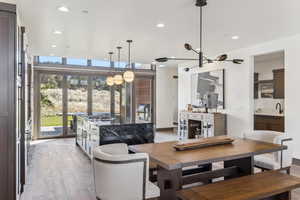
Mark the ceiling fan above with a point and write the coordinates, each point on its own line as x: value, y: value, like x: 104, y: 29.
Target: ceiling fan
x: 201, y: 58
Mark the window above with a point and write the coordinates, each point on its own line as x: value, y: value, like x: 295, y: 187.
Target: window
x: 77, y: 61
x: 142, y: 66
x: 100, y: 63
x: 101, y: 96
x: 121, y: 65
x: 50, y: 60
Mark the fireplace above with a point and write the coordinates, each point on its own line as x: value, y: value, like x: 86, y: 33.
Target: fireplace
x: 194, y: 128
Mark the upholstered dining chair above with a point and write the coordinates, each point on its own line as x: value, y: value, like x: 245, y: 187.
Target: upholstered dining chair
x: 281, y: 160
x: 120, y: 175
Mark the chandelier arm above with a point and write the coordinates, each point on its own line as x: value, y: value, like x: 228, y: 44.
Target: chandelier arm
x: 182, y: 59
x: 195, y: 51
x: 129, y: 61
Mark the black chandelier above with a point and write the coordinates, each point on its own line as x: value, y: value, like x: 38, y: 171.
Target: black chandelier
x: 201, y: 58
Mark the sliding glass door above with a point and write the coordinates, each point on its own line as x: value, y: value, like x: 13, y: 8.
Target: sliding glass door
x: 51, y: 105
x: 101, y: 96
x: 77, y: 103
x: 63, y: 96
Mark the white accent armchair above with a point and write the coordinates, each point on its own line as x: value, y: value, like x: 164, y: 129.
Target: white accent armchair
x: 281, y: 160
x: 120, y: 175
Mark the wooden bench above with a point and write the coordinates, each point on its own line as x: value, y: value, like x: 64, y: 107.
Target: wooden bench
x: 269, y: 185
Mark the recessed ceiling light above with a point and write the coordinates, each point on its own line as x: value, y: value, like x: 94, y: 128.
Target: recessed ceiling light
x: 160, y: 25
x: 53, y: 45
x: 162, y: 65
x: 63, y: 9
x: 57, y: 32
x: 173, y: 57
x: 235, y: 37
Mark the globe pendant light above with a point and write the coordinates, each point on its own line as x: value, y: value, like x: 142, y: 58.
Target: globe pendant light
x: 110, y: 79
x: 118, y: 79
x: 129, y: 74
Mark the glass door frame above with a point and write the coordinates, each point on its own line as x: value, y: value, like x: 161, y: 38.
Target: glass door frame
x: 153, y: 98
x: 37, y: 106
x: 69, y: 71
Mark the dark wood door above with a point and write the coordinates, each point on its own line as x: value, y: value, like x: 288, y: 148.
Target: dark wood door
x: 7, y: 102
x: 278, y: 83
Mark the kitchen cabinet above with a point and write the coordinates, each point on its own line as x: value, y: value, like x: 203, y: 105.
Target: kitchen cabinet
x: 92, y: 132
x: 12, y: 102
x: 271, y: 123
x: 278, y: 75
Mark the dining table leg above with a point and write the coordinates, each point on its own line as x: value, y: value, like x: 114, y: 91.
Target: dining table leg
x: 245, y: 166
x: 169, y: 181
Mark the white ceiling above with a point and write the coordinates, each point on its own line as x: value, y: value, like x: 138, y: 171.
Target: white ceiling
x: 111, y: 22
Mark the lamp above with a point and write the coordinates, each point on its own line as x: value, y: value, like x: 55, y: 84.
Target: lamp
x: 129, y: 75
x: 118, y: 79
x: 201, y: 58
x: 110, y: 79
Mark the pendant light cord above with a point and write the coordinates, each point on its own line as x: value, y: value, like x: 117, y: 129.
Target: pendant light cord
x: 129, y: 61
x: 110, y: 62
x: 119, y: 55
x: 129, y: 53
x: 110, y: 59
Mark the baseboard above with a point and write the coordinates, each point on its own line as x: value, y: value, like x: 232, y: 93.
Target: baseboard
x: 296, y: 161
x: 165, y: 129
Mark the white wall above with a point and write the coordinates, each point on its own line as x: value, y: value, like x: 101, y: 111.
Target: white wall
x: 166, y: 97
x: 9, y: 1
x: 239, y: 87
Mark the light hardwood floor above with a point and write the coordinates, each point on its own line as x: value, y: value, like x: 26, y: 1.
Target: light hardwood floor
x: 60, y: 171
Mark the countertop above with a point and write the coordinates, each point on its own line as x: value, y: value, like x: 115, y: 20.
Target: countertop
x: 269, y: 114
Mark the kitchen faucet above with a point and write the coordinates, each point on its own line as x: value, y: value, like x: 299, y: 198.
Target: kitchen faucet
x: 280, y: 108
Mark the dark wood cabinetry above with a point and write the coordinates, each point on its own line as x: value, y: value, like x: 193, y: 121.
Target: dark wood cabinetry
x: 12, y: 104
x: 8, y: 152
x: 278, y: 75
x: 271, y: 123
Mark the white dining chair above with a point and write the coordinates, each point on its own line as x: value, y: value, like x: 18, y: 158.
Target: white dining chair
x: 281, y: 160
x: 120, y: 175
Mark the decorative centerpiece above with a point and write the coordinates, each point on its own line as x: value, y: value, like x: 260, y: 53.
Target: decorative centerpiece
x: 203, y: 142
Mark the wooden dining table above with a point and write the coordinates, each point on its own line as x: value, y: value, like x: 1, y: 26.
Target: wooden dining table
x: 238, y: 158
